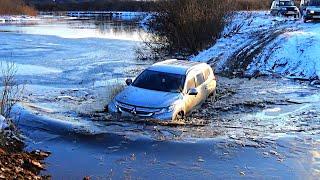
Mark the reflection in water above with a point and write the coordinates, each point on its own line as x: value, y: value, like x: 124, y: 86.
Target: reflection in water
x: 117, y: 28
x: 79, y: 28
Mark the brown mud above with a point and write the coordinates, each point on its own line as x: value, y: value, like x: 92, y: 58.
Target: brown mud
x: 16, y: 163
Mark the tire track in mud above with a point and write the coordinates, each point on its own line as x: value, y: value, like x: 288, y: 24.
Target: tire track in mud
x: 238, y: 62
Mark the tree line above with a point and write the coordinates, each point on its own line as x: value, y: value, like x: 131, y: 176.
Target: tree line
x: 93, y: 5
x: 13, y: 7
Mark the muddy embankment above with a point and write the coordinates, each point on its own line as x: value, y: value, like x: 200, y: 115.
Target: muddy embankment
x: 15, y: 162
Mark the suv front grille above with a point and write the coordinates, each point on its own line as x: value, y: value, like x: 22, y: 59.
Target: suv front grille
x: 291, y: 9
x: 135, y: 110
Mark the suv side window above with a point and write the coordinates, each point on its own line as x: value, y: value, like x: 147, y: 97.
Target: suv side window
x: 191, y: 84
x: 199, y: 79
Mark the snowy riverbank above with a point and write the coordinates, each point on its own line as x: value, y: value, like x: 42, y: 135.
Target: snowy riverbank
x: 259, y: 43
x: 17, y: 19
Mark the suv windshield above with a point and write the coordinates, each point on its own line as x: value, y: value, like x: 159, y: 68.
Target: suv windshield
x: 160, y: 81
x: 314, y: 3
x: 286, y: 3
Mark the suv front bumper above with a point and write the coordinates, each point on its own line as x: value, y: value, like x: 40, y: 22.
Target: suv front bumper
x: 112, y: 108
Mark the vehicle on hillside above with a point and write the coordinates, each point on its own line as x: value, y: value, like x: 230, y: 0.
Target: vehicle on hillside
x: 284, y: 8
x: 310, y: 9
x: 167, y: 90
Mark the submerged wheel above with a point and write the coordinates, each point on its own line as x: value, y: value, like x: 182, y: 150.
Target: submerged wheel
x: 212, y: 97
x: 180, y: 116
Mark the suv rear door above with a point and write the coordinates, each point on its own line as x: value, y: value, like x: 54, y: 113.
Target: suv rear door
x: 201, y: 87
x: 210, y: 81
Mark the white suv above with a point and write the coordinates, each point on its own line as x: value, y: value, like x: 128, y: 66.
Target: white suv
x: 167, y: 90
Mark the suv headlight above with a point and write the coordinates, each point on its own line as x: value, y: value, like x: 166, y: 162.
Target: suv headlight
x: 116, y: 104
x: 166, y: 109
x: 310, y: 11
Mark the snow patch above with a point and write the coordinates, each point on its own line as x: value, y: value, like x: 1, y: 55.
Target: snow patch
x: 294, y: 53
x: 296, y: 56
x: 226, y: 46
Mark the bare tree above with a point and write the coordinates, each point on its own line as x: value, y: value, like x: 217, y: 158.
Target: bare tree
x: 16, y: 7
x: 184, y: 27
x: 11, y: 91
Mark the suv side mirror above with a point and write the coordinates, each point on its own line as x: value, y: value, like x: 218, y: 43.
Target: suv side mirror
x: 193, y: 92
x: 128, y: 82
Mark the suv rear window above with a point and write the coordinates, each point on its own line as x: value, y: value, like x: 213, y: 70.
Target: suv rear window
x: 199, y: 79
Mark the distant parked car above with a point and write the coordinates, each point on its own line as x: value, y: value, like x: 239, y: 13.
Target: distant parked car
x: 167, y: 90
x: 310, y: 9
x: 284, y: 8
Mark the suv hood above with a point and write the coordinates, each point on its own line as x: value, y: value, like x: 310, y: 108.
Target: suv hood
x: 313, y: 8
x: 147, y: 98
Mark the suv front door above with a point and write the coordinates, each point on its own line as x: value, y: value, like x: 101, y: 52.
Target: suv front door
x: 202, y: 88
x: 190, y: 100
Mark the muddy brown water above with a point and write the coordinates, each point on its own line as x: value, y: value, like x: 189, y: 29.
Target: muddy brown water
x: 256, y: 128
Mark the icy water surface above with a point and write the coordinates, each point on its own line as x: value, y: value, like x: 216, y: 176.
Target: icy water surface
x: 261, y: 128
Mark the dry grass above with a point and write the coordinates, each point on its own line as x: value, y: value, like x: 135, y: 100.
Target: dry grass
x: 10, y: 91
x: 113, y: 89
x: 16, y: 7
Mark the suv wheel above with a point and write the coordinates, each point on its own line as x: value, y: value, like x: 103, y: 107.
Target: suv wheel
x: 212, y: 97
x: 180, y: 116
